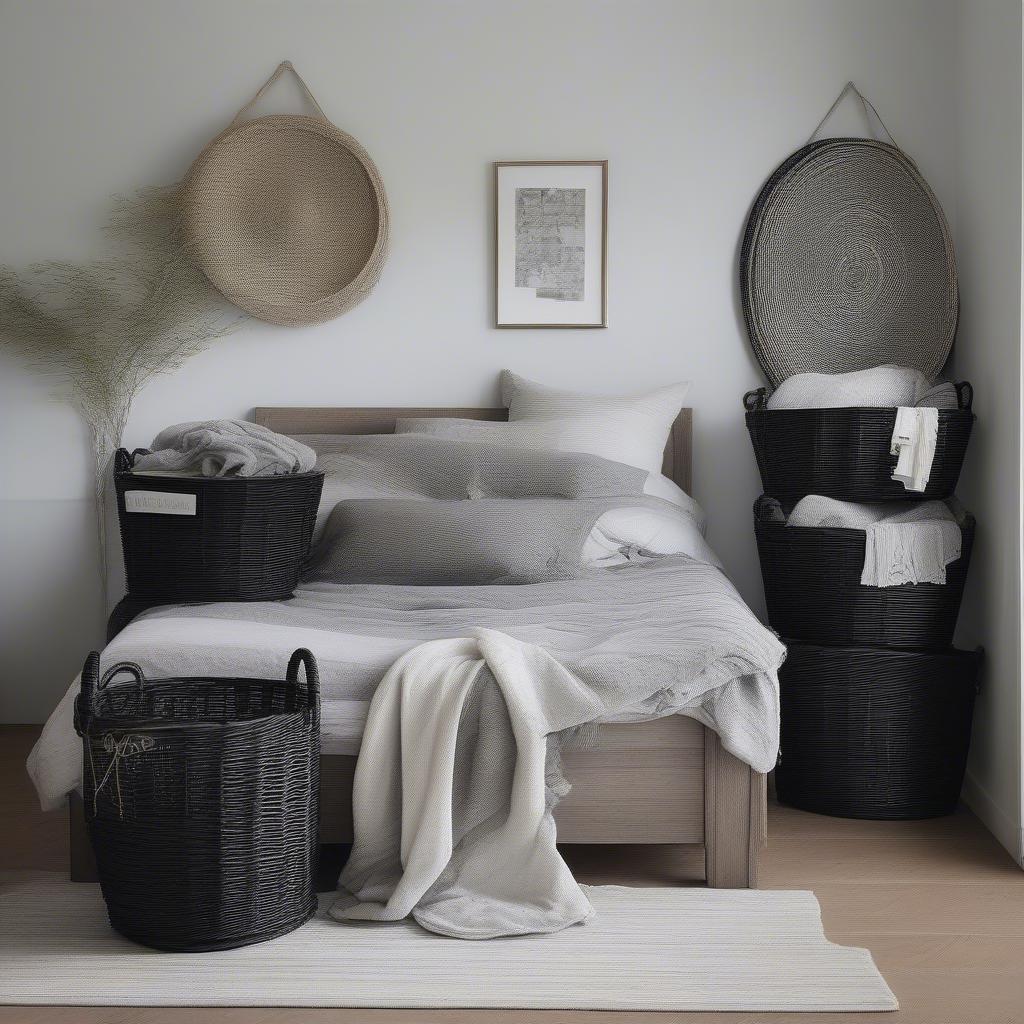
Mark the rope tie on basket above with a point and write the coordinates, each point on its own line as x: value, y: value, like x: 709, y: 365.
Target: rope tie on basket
x: 867, y: 105
x: 285, y: 65
x: 121, y: 748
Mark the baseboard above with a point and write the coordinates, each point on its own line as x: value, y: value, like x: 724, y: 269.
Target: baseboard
x: 1009, y: 832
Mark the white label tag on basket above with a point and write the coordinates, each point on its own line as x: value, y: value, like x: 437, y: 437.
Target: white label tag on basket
x: 164, y: 503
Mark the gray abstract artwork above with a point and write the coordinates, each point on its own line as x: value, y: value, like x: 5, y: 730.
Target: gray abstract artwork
x: 549, y: 242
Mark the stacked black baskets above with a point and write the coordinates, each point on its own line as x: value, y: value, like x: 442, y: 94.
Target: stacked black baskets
x: 876, y: 702
x: 201, y: 794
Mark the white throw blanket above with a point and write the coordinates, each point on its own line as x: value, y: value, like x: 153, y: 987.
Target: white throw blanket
x: 457, y: 777
x: 905, y: 542
x: 225, y: 448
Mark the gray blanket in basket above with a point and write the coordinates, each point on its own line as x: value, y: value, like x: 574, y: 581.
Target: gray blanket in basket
x: 225, y: 448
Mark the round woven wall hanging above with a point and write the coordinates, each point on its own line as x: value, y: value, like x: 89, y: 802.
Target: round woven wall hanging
x: 847, y: 263
x: 287, y: 215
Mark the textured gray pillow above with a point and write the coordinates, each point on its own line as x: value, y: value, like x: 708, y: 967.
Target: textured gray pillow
x: 411, y: 465
x: 490, y: 540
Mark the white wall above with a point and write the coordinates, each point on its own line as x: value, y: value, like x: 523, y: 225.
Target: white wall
x: 693, y: 103
x: 988, y: 239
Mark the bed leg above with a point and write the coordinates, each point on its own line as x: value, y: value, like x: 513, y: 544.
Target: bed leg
x: 735, y: 805
x: 83, y: 863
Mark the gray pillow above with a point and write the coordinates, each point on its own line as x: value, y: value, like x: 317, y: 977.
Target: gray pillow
x: 422, y: 543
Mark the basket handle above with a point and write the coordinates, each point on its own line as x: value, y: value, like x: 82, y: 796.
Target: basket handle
x: 122, y: 666
x: 965, y: 395
x: 754, y: 401
x: 84, y: 702
x: 124, y: 460
x: 309, y: 688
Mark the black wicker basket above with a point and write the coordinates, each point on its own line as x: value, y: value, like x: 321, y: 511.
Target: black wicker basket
x: 875, y: 733
x: 201, y: 799
x: 845, y: 453
x: 214, y: 538
x: 813, y: 591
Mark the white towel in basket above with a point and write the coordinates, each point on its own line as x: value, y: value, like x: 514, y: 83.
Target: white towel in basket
x: 905, y: 542
x: 913, y: 442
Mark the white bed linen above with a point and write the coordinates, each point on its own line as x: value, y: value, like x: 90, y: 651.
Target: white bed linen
x: 676, y: 615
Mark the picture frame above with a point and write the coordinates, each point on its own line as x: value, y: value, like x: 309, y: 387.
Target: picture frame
x: 551, y: 244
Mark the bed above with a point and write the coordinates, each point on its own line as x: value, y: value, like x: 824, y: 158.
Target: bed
x: 667, y: 781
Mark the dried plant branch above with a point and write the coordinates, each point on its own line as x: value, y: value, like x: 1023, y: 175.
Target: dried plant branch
x: 100, y: 331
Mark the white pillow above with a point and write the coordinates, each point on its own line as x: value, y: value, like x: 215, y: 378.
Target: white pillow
x: 634, y: 427
x: 657, y: 485
x: 654, y: 531
x: 574, y: 435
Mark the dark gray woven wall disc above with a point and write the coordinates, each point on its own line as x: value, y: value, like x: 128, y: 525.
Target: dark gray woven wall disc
x: 847, y: 263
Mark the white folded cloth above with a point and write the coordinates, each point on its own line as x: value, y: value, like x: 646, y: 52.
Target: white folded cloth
x: 905, y: 542
x: 913, y: 440
x: 225, y: 448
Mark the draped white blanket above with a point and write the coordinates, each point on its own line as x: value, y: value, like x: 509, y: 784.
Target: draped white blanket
x: 454, y: 789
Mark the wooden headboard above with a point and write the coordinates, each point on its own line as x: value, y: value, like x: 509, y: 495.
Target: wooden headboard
x: 676, y: 466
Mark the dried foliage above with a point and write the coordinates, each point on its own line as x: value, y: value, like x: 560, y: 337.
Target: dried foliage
x: 100, y: 331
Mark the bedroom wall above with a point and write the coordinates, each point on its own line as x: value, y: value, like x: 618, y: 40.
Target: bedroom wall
x: 988, y: 353
x: 693, y: 103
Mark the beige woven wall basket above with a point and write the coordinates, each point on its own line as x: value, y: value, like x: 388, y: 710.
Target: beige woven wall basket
x: 287, y: 216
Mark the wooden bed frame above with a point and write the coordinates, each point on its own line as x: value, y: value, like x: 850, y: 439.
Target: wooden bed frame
x: 667, y: 781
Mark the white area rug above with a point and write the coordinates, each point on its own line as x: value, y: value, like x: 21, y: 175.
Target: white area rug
x: 647, y: 949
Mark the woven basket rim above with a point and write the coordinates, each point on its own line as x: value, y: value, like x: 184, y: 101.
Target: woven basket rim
x: 168, y: 724
x: 846, y: 532
x: 950, y: 652
x: 969, y: 522
x: 106, y: 720
x: 233, y: 479
x: 861, y: 409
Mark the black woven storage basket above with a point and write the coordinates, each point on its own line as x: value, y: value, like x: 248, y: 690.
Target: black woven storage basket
x: 234, y: 538
x: 201, y: 799
x: 875, y: 733
x: 813, y: 591
x: 845, y: 453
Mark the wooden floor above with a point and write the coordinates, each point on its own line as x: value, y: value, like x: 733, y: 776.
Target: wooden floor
x: 939, y: 903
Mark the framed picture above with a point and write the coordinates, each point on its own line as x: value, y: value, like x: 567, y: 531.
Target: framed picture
x: 550, y: 243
